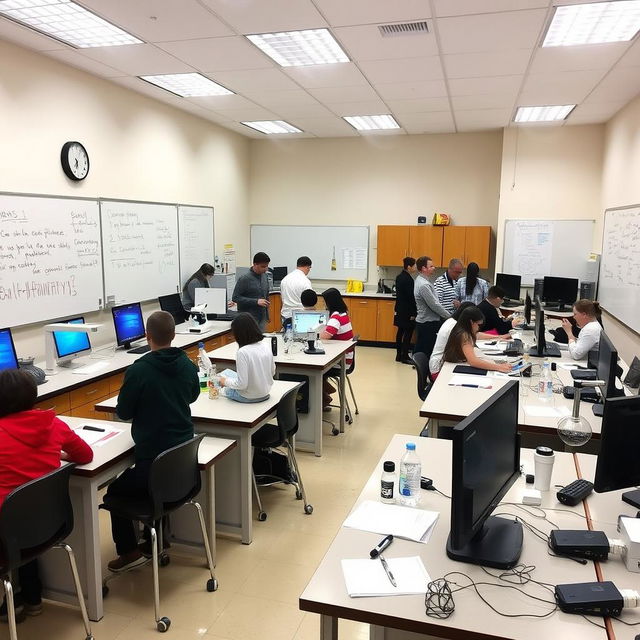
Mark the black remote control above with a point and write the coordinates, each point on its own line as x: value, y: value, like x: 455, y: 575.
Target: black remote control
x: 575, y: 492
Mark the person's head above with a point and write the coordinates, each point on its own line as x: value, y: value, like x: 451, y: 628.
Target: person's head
x: 161, y: 329
x: 472, y: 277
x: 464, y: 305
x: 304, y: 264
x: 469, y: 323
x: 18, y: 391
x: 203, y: 274
x: 207, y: 270
x: 424, y: 265
x: 409, y: 264
x: 333, y: 300
x: 585, y: 311
x: 455, y: 268
x: 309, y: 299
x: 495, y: 296
x: 260, y: 262
x: 245, y: 329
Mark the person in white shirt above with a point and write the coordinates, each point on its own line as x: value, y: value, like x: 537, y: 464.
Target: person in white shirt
x: 255, y: 367
x: 587, y: 316
x: 292, y: 286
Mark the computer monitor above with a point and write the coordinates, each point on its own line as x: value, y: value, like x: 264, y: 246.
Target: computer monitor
x: 173, y: 304
x: 278, y: 274
x: 71, y: 344
x: 559, y: 291
x: 305, y: 323
x: 215, y: 299
x: 606, y: 369
x: 510, y: 284
x: 541, y: 348
x: 617, y: 466
x: 527, y: 309
x: 8, y: 357
x: 128, y: 323
x: 486, y: 462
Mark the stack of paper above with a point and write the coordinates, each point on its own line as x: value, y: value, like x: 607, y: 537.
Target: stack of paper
x: 368, y: 578
x: 462, y: 380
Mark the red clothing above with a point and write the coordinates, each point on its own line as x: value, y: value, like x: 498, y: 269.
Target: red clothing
x: 30, y: 445
x: 339, y: 326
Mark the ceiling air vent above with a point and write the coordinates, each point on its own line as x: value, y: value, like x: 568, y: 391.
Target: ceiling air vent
x: 403, y: 29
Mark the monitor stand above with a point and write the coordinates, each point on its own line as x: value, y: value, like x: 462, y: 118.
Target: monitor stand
x: 498, y: 544
x: 632, y: 498
x: 510, y: 304
x: 311, y: 349
x: 550, y: 351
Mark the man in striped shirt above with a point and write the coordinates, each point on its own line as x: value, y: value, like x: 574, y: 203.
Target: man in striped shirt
x: 445, y: 284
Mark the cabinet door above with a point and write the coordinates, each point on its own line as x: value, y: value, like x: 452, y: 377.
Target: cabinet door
x: 271, y: 325
x: 426, y: 241
x: 115, y: 382
x: 274, y: 311
x: 477, y: 244
x: 59, y: 404
x: 89, y: 393
x: 393, y: 244
x: 454, y: 245
x: 386, y: 331
x: 364, y: 316
x: 88, y: 411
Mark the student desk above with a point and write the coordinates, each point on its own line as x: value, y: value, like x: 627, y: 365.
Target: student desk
x: 394, y: 617
x: 85, y: 484
x: 237, y: 421
x: 309, y: 436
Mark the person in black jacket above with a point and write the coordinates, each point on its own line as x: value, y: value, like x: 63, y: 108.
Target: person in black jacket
x: 405, y: 310
x: 489, y: 307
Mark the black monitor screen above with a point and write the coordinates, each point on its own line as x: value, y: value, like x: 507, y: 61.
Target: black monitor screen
x: 510, y: 284
x: 128, y: 323
x: 8, y: 358
x: 607, y: 364
x: 527, y: 309
x: 68, y: 343
x: 563, y: 291
x: 173, y: 304
x: 541, y: 341
x: 279, y: 273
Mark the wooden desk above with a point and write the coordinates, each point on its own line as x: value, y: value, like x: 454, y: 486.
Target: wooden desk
x: 395, y: 617
x: 309, y: 436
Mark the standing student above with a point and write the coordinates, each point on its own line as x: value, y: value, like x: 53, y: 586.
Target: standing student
x: 155, y: 395
x: 32, y: 443
x: 445, y: 285
x: 471, y: 288
x: 492, y: 318
x: 587, y: 315
x: 405, y: 310
x: 251, y: 292
x: 292, y: 286
x: 200, y: 279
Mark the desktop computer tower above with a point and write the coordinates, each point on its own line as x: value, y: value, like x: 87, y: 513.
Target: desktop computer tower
x: 538, y: 286
x: 587, y: 291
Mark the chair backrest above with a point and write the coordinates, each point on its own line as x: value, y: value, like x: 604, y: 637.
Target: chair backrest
x: 350, y: 369
x: 34, y: 517
x: 287, y: 414
x: 174, y: 477
x: 422, y: 369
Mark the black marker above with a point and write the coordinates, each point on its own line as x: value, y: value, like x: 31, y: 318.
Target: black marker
x: 382, y: 545
x: 88, y: 428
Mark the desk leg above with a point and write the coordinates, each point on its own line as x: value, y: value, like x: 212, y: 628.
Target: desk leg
x: 210, y: 484
x: 328, y: 628
x: 343, y: 382
x: 309, y: 436
x: 246, y: 486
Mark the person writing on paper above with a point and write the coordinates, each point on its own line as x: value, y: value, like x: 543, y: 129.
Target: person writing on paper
x: 32, y: 443
x: 292, y: 286
x: 460, y: 346
x: 200, y: 279
x: 253, y: 378
x: 587, y: 316
x: 492, y: 319
x: 251, y: 292
x: 471, y: 288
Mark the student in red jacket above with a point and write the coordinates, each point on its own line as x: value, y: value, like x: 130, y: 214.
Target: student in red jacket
x: 32, y: 443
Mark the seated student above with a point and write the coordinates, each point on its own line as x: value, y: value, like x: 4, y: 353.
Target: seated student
x: 32, y: 443
x: 309, y: 299
x: 471, y: 288
x: 492, y: 318
x: 460, y: 346
x: 255, y: 367
x: 587, y: 315
x: 199, y: 279
x: 435, y: 361
x: 155, y: 395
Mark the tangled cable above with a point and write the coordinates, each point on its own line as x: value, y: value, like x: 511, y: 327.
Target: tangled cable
x: 438, y: 600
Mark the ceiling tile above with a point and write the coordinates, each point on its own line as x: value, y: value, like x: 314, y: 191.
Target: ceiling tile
x: 77, y: 59
x: 366, y: 108
x: 352, y: 12
x: 488, y: 63
x: 344, y: 74
x: 593, y: 113
x: 577, y: 58
x: 419, y: 105
x: 487, y: 101
x: 565, y: 87
x: 491, y: 32
x: 344, y: 94
x: 437, y: 122
x: 412, y: 90
x: 138, y: 59
x: 619, y: 84
x: 482, y: 119
x: 223, y: 103
x: 325, y: 127
x: 402, y: 70
x: 632, y: 57
x: 16, y: 33
x: 287, y: 111
x: 148, y: 89
x: 483, y: 86
x: 243, y: 80
x: 466, y: 7
x: 273, y: 99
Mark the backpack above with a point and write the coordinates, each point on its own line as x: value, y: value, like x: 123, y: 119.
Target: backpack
x: 270, y: 465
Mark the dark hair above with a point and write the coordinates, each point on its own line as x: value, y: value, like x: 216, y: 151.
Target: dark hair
x: 261, y: 258
x: 472, y: 277
x: 200, y: 275
x: 334, y: 301
x: 408, y: 262
x: 309, y: 298
x: 18, y: 391
x: 496, y: 292
x: 461, y: 308
x: 460, y: 333
x: 303, y: 261
x: 592, y: 309
x: 161, y: 327
x: 245, y: 329
x: 422, y: 262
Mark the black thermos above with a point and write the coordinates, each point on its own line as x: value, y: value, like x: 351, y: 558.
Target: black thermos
x: 274, y: 345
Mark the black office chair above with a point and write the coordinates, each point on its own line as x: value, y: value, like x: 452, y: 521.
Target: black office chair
x: 34, y: 518
x: 281, y: 434
x: 174, y: 480
x: 421, y: 363
x: 334, y: 374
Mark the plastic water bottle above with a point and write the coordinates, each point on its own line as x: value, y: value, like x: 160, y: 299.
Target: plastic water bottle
x: 410, y: 472
x: 545, y: 384
x: 287, y: 339
x: 206, y: 370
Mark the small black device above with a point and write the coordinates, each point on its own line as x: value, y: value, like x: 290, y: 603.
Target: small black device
x: 465, y: 368
x: 586, y: 394
x: 575, y: 492
x: 529, y: 478
x: 274, y: 345
x: 554, y: 366
x: 88, y: 427
x: 584, y: 374
x: 422, y: 220
x: 559, y: 291
x: 580, y: 543
x: 426, y: 483
x: 510, y: 284
x: 589, y: 598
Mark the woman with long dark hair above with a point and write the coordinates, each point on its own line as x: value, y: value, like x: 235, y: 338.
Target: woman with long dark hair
x: 471, y: 288
x: 199, y: 279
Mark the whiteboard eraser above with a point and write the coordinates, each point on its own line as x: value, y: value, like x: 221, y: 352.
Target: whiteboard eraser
x: 532, y: 497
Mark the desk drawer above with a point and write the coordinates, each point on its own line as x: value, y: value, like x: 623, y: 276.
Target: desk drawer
x: 88, y: 410
x: 212, y: 343
x: 192, y: 353
x: 115, y: 382
x: 228, y: 338
x: 59, y: 404
x: 89, y: 393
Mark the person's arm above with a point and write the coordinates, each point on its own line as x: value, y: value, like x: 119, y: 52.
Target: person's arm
x: 195, y: 383
x: 241, y: 382
x: 481, y: 335
x: 473, y: 360
x: 191, y: 290
x: 580, y: 346
x: 128, y: 395
x: 331, y: 329
x: 432, y: 302
x: 240, y: 293
x: 74, y: 448
x: 496, y: 322
x: 406, y: 293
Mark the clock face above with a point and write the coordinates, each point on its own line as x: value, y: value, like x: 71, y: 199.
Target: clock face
x: 75, y: 160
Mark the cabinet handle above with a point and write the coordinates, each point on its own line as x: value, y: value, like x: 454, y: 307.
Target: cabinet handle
x: 91, y: 392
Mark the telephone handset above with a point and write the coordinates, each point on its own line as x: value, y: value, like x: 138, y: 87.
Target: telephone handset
x: 26, y: 364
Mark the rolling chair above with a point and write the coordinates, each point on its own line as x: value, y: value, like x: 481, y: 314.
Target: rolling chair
x: 174, y: 480
x: 34, y: 518
x: 421, y: 363
x: 334, y: 374
x: 281, y: 434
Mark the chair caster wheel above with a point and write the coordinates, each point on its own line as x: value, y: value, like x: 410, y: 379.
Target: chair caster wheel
x: 335, y: 431
x: 163, y: 624
x: 105, y: 591
x: 89, y: 638
x: 164, y: 560
x: 298, y: 494
x: 212, y: 585
x: 308, y: 509
x: 262, y: 516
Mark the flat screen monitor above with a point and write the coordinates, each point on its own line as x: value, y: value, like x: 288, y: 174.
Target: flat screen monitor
x: 305, y: 323
x: 510, y: 284
x: 173, y: 304
x: 560, y: 292
x: 128, y: 323
x: 541, y: 341
x: 278, y: 274
x: 215, y: 299
x: 71, y: 344
x: 527, y: 309
x: 486, y: 462
x: 606, y: 369
x: 8, y: 357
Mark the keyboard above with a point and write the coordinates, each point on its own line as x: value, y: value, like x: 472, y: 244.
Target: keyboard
x: 514, y: 348
x: 90, y: 369
x: 584, y: 374
x: 143, y: 349
x: 222, y: 317
x: 588, y: 394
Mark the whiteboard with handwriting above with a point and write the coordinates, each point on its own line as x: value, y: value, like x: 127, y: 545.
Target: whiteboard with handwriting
x: 195, y: 225
x: 139, y: 250
x: 49, y: 258
x: 619, y: 285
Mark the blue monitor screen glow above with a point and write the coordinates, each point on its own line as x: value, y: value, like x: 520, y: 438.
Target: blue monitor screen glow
x: 8, y: 358
x: 71, y: 344
x: 128, y: 323
x: 306, y: 322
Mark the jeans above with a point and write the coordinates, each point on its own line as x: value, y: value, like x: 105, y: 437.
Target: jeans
x: 426, y: 336
x: 233, y: 394
x: 403, y: 339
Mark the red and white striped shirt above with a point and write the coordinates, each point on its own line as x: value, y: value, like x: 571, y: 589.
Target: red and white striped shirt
x: 339, y: 326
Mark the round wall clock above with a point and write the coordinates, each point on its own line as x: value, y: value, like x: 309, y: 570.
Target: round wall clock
x: 75, y: 160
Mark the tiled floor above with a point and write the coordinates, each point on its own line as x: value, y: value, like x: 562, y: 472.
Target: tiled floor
x: 260, y: 583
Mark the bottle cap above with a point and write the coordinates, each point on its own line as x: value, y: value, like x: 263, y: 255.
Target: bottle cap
x: 200, y: 345
x: 389, y: 466
x: 544, y: 451
x: 411, y: 446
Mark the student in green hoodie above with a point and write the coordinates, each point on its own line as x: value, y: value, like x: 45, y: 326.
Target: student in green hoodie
x: 156, y: 394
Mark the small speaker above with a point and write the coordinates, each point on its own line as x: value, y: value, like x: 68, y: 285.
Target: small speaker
x: 587, y: 291
x: 422, y: 220
x: 538, y: 288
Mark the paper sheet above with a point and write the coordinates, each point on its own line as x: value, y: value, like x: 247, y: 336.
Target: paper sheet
x: 368, y: 578
x: 97, y: 438
x: 461, y: 380
x: 567, y: 366
x: 546, y: 412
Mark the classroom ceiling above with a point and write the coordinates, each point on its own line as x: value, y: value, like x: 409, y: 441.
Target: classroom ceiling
x: 479, y: 60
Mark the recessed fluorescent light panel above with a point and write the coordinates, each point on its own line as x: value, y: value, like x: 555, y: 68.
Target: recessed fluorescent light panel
x: 372, y: 123
x: 300, y: 48
x: 188, y: 84
x: 66, y: 21
x: 593, y: 23
x: 272, y: 126
x: 543, y: 114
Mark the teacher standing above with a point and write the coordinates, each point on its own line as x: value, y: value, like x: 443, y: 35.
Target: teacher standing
x: 405, y: 310
x: 251, y: 292
x: 200, y: 279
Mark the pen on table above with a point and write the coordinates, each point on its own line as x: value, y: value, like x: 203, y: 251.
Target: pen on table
x: 381, y: 546
x: 471, y: 386
x: 385, y: 566
x: 90, y: 428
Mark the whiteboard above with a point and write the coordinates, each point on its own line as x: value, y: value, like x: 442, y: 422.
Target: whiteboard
x: 49, y: 258
x: 348, y: 246
x: 139, y: 250
x: 538, y: 248
x: 195, y: 230
x: 619, y: 287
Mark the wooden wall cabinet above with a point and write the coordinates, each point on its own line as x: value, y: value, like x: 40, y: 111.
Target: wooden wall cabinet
x: 470, y: 244
x: 426, y: 240
x: 393, y: 244
x: 363, y: 313
x: 275, y: 307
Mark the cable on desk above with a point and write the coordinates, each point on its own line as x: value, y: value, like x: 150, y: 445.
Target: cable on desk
x: 438, y: 600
